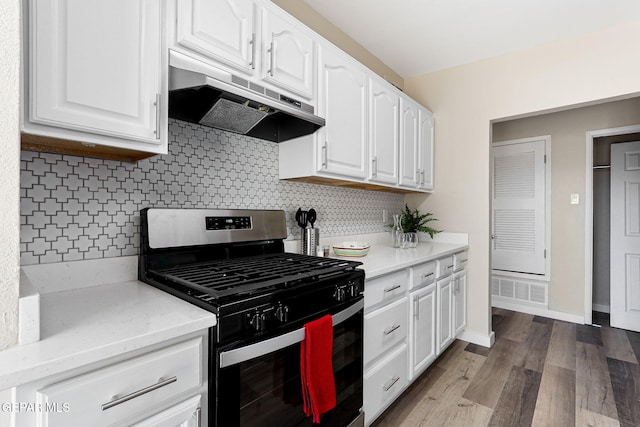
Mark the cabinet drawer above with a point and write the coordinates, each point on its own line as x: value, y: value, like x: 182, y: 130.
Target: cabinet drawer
x: 384, y: 329
x: 384, y: 383
x: 445, y: 267
x: 118, y: 392
x: 423, y: 274
x: 385, y: 289
x: 460, y: 261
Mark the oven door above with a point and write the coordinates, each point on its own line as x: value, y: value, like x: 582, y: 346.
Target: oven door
x: 259, y: 384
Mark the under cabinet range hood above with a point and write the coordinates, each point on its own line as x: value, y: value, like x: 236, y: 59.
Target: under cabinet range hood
x: 199, y: 93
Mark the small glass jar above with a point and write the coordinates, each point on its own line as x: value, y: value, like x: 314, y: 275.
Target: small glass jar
x: 409, y: 240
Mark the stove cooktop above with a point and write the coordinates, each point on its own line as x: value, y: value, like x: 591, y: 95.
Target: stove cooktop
x: 240, y: 277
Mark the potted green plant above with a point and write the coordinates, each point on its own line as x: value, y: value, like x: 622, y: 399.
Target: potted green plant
x: 412, y: 222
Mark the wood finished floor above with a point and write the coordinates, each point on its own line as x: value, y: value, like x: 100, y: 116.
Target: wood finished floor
x: 540, y: 372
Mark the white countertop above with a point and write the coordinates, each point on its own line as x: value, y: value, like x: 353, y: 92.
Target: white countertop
x: 383, y: 258
x: 85, y: 319
x: 91, y: 324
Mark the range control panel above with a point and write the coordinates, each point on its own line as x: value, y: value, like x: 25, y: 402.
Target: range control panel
x: 228, y: 222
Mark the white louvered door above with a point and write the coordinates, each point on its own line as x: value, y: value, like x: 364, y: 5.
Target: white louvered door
x: 518, y: 204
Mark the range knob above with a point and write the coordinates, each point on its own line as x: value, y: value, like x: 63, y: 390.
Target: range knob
x: 340, y: 293
x: 353, y: 289
x: 282, y: 313
x: 258, y: 318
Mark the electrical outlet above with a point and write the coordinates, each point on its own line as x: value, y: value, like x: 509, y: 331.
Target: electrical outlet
x: 384, y: 216
x: 575, y: 198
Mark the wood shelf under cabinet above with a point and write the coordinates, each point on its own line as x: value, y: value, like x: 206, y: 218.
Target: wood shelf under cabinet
x: 45, y: 144
x: 350, y: 184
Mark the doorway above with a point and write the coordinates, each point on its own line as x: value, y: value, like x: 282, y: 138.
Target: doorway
x: 598, y: 233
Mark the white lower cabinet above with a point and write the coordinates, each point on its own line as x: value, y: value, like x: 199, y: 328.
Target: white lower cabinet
x: 445, y: 325
x: 384, y: 382
x: 165, y: 387
x: 184, y: 414
x: 422, y: 326
x: 459, y: 301
x: 411, y: 317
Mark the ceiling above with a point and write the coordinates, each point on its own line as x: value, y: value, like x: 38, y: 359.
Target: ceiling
x: 415, y: 37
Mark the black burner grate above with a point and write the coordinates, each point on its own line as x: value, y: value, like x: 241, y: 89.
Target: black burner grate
x: 231, y: 277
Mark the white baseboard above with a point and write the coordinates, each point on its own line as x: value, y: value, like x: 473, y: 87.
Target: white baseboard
x: 557, y: 315
x: 602, y: 308
x: 478, y: 338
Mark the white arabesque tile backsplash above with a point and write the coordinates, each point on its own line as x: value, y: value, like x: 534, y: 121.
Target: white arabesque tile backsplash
x: 75, y: 208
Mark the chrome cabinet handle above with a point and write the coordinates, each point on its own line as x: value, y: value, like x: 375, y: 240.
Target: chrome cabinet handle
x: 393, y: 288
x: 271, y: 59
x: 391, y: 383
x: 324, y: 155
x: 157, y: 105
x: 417, y: 177
x: 416, y: 309
x: 391, y: 329
x: 118, y: 400
x: 199, y: 417
x: 252, y: 45
x: 424, y: 276
x: 422, y: 176
x: 374, y: 166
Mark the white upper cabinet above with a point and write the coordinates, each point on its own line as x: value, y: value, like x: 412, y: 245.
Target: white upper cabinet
x: 342, y: 101
x: 95, y: 72
x: 384, y: 132
x: 409, y: 139
x: 287, y: 56
x: 416, y: 146
x: 425, y: 148
x: 224, y: 30
x: 254, y: 38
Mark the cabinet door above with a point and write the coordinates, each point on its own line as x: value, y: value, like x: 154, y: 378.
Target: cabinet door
x: 384, y: 106
x: 423, y: 329
x: 425, y: 149
x: 223, y: 30
x: 288, y: 55
x: 96, y: 66
x: 445, y: 301
x: 184, y: 414
x: 409, y: 135
x: 460, y: 301
x: 342, y: 101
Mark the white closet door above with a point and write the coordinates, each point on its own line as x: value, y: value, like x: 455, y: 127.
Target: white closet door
x: 518, y: 217
x: 625, y: 236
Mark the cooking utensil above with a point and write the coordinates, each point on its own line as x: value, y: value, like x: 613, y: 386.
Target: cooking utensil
x: 301, y: 218
x: 312, y: 216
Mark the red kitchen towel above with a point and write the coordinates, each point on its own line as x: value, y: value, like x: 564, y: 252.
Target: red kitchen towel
x: 316, y: 368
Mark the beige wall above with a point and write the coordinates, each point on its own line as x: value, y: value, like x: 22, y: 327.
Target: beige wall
x: 9, y: 171
x: 568, y: 160
x: 466, y: 99
x: 304, y: 13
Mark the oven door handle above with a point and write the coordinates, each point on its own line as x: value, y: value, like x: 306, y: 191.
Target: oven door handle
x: 242, y: 354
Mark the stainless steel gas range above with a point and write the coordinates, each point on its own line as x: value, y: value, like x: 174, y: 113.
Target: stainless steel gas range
x: 232, y: 263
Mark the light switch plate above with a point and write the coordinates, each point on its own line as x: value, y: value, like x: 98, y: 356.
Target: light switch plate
x: 575, y: 198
